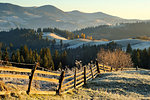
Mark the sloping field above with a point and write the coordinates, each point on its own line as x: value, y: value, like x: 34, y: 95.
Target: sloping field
x: 126, y: 85
x: 121, y: 85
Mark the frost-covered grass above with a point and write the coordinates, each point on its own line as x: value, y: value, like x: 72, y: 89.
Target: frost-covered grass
x: 126, y: 85
x: 121, y: 85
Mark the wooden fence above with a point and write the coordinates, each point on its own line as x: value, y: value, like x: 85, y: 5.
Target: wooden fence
x: 64, y: 82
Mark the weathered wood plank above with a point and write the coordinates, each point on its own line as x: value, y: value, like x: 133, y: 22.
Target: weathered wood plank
x: 15, y: 69
x: 69, y: 77
x: 94, y: 67
x: 48, y: 73
x: 80, y: 73
x: 46, y: 79
x: 80, y: 85
x: 80, y: 77
x: 89, y: 78
x: 43, y: 92
x: 14, y: 76
x: 68, y: 83
x: 82, y: 80
x: 66, y: 87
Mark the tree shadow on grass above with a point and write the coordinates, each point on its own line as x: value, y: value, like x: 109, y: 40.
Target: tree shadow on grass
x: 121, y: 85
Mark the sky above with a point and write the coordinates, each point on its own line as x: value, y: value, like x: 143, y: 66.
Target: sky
x: 129, y: 9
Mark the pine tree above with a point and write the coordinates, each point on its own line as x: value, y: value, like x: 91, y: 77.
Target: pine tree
x: 138, y: 54
x: 11, y: 46
x: 149, y: 58
x: 61, y: 43
x: 50, y: 60
x: 60, y: 66
x: 22, y: 59
x: 5, y: 55
x: 56, y: 59
x: 26, y: 54
x: 30, y: 56
x: 39, y: 30
x: 18, y: 56
x: 64, y: 58
x: 13, y: 57
x: 45, y: 61
x: 0, y: 54
x: 144, y: 58
x: 129, y: 49
x: 53, y: 42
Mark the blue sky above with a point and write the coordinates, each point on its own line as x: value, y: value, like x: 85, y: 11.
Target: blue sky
x: 130, y: 9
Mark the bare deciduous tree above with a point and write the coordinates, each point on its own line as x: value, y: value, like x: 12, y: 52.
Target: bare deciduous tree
x: 116, y: 59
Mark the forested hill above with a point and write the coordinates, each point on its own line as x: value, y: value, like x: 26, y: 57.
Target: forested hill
x: 20, y: 37
x: 120, y: 31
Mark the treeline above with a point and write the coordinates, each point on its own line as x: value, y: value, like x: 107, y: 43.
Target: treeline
x: 88, y: 53
x: 44, y: 57
x: 83, y: 36
x: 141, y: 58
x: 19, y: 37
x: 118, y: 31
x: 63, y: 33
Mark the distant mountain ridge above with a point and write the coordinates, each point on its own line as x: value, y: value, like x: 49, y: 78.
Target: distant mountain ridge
x: 13, y: 16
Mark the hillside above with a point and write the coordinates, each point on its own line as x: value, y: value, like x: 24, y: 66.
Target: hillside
x: 119, y: 31
x: 13, y: 16
x: 125, y: 85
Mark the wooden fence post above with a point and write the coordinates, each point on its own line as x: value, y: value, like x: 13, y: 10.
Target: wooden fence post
x: 31, y: 77
x: 97, y: 66
x: 62, y: 76
x: 75, y: 74
x: 91, y: 70
x: 84, y: 75
x: 103, y: 67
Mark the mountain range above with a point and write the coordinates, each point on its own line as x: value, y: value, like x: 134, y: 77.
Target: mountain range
x: 12, y: 16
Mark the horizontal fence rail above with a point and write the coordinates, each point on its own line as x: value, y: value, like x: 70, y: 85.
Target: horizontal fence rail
x: 65, y: 83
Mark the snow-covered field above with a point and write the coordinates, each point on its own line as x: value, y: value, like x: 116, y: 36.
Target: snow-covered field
x: 135, y: 43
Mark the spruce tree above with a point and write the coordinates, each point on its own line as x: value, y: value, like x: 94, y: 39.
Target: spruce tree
x: 50, y: 60
x: 18, y: 56
x: 22, y: 59
x: 60, y: 66
x: 0, y: 54
x: 64, y: 58
x: 56, y: 59
x: 45, y: 61
x: 129, y: 49
x: 5, y: 55
x: 144, y: 58
x: 30, y: 56
x: 13, y: 57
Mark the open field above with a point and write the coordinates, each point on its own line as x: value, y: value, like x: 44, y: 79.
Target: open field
x: 126, y: 85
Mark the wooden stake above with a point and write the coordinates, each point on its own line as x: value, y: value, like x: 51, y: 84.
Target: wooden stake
x: 31, y: 78
x: 91, y: 71
x: 75, y: 74
x: 98, y: 70
x: 62, y: 76
x: 84, y: 75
